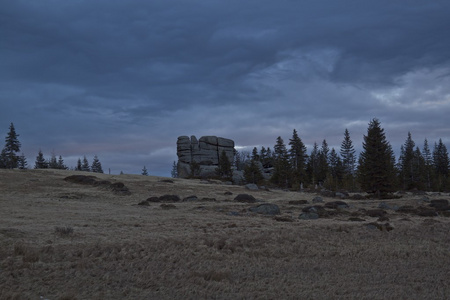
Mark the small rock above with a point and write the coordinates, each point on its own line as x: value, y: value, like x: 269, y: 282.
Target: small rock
x: 356, y: 219
x: 169, y: 198
x: 167, y: 180
x: 144, y: 203
x: 283, y: 219
x: 308, y: 216
x: 233, y: 213
x: 342, y: 195
x: 383, y: 205
x: 381, y: 227
x: 298, y: 202
x: 190, y: 198
x: 252, y: 187
x: 228, y: 193
x: 246, y: 198
x: 153, y: 199
x: 376, y: 213
x: 357, y: 197
x: 440, y: 204
x: 317, y: 200
x: 336, y: 204
x: 266, y: 209
x: 167, y: 206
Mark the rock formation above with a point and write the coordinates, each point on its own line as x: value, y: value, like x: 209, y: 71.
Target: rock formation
x: 204, y: 153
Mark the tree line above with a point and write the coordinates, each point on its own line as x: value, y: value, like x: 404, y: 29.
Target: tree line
x: 10, y: 159
x: 375, y: 171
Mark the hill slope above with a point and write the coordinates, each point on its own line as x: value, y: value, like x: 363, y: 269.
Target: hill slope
x: 66, y: 240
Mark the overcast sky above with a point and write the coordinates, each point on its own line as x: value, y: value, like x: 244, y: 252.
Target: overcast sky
x: 123, y: 79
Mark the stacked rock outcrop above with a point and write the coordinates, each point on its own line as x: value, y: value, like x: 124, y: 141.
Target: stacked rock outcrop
x: 204, y: 153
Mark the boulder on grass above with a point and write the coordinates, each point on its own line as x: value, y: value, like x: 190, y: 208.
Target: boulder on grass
x: 266, y: 209
x: 245, y: 198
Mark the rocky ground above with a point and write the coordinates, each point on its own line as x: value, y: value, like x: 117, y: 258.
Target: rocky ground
x: 67, y: 236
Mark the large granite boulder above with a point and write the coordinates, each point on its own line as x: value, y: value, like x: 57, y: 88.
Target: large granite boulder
x: 204, y: 153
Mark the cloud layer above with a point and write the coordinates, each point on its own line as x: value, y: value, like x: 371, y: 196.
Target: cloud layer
x: 124, y: 79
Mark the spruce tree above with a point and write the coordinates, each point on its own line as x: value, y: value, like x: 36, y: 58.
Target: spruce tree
x: 224, y: 168
x: 298, y: 157
x: 282, y: 167
x: 428, y: 168
x: 336, y: 171
x: 255, y: 154
x: 22, y: 163
x: 79, y: 165
x: 174, y: 172
x: 40, y: 162
x: 441, y: 165
x: 252, y: 172
x: 85, y: 165
x: 53, y: 162
x: 409, y: 164
x: 61, y: 164
x: 12, y: 147
x: 96, y: 166
x: 312, y: 167
x: 347, y: 153
x: 145, y: 172
x: 323, y: 162
x: 376, y: 171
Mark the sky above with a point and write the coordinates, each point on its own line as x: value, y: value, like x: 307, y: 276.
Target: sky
x: 123, y: 79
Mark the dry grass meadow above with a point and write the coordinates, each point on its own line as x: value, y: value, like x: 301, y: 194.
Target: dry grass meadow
x: 64, y: 240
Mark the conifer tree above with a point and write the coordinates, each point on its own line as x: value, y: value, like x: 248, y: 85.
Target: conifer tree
x: 409, y: 164
x: 376, y: 172
x: 224, y: 168
x: 428, y: 168
x: 85, y: 165
x: 53, y: 162
x: 96, y: 166
x: 255, y: 154
x: 174, y: 172
x: 61, y: 164
x: 298, y: 157
x: 312, y: 167
x: 282, y: 168
x: 336, y: 170
x: 441, y: 164
x: 3, y: 159
x: 145, y: 172
x: 22, y: 163
x: 79, y: 165
x: 40, y: 162
x: 12, y: 147
x: 252, y: 172
x: 323, y: 163
x: 347, y: 153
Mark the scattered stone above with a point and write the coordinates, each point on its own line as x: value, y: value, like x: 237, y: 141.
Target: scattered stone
x: 167, y: 206
x: 169, y: 198
x: 317, y: 209
x: 425, y: 199
x: 356, y: 219
x: 228, y: 193
x: 383, y: 219
x: 308, y: 216
x: 427, y: 212
x: 376, y: 213
x: 336, y: 205
x: 408, y: 209
x: 120, y: 188
x: 317, y: 199
x: 251, y: 187
x: 153, y: 199
x: 381, y: 227
x: 117, y: 187
x: 358, y: 197
x: 383, y: 205
x: 205, y: 199
x: 327, y: 193
x: 342, y: 195
x: 440, y: 204
x: 167, y: 180
x: 233, y: 213
x: 144, y: 203
x: 246, y: 198
x: 82, y: 179
x: 298, y: 202
x: 190, y: 198
x: 266, y: 209
x: 283, y: 219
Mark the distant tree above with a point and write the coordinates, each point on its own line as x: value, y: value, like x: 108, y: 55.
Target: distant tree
x: 61, y: 164
x: 441, y: 164
x: 428, y: 168
x: 53, y: 162
x: 298, y: 157
x: 85, y: 165
x: 224, y: 168
x: 3, y: 159
x: 40, y: 162
x: 255, y: 154
x: 96, y: 166
x: 282, y: 168
x: 312, y: 166
x: 12, y: 147
x: 323, y: 163
x: 79, y: 165
x: 347, y: 153
x: 411, y: 165
x: 336, y: 172
x: 376, y: 170
x: 174, y: 172
x: 252, y: 172
x: 144, y: 171
x: 22, y: 162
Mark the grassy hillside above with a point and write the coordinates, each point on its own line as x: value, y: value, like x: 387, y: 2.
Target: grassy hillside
x: 66, y: 240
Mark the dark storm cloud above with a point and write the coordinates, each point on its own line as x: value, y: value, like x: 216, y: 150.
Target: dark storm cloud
x: 128, y: 77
